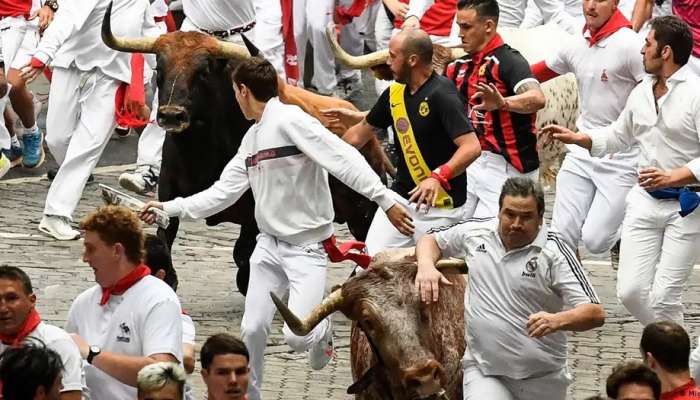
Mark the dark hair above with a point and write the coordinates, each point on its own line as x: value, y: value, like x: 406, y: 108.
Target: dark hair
x: 221, y: 343
x: 418, y: 42
x: 484, y: 8
x: 632, y: 372
x: 117, y: 224
x: 16, y: 274
x: 672, y: 31
x: 158, y: 257
x: 669, y: 343
x: 259, y: 76
x: 596, y: 397
x: 26, y: 368
x: 523, y: 187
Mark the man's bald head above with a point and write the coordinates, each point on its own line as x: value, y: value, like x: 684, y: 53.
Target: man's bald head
x: 416, y: 41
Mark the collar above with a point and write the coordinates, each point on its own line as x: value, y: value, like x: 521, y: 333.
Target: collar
x: 125, y: 283
x: 269, y: 111
x: 30, y: 323
x: 678, y: 391
x: 616, y: 22
x: 493, y: 44
x: 539, y: 242
x: 680, y: 75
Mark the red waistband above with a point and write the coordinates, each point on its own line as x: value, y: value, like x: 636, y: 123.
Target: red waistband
x: 341, y: 253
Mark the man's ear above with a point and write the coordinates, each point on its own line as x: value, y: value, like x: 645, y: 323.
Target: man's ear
x: 205, y: 373
x: 119, y: 250
x: 649, y: 360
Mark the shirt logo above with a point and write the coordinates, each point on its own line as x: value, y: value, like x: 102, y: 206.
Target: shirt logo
x: 125, y: 333
x: 423, y: 109
x: 481, y: 248
x: 604, y: 76
x: 482, y: 70
x: 530, y: 268
x: 402, y: 125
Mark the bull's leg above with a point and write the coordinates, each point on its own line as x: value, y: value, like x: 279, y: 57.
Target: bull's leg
x: 242, y: 251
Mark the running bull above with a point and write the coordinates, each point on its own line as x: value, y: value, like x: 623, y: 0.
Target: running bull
x: 400, y: 348
x: 205, y: 125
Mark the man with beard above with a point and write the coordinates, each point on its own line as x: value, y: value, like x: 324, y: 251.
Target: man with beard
x: 435, y: 137
x: 225, y: 368
x: 660, y: 231
x: 521, y: 277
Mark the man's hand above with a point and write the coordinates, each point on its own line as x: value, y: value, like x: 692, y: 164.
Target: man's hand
x: 342, y: 118
x: 82, y: 345
x: 564, y: 135
x: 401, y: 219
x: 146, y: 215
x: 491, y: 98
x: 411, y: 22
x: 542, y: 323
x: 653, y: 178
x: 45, y: 15
x: 428, y: 280
x: 425, y: 193
x: 28, y: 73
x: 397, y: 8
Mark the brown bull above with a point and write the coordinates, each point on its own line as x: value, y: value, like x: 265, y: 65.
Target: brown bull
x: 205, y: 126
x: 415, y: 349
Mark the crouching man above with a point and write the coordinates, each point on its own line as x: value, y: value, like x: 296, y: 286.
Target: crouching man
x: 520, y: 278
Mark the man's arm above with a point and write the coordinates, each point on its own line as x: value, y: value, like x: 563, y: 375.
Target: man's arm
x: 72, y: 378
x: 580, y: 318
x: 360, y: 134
x: 125, y: 368
x: 429, y: 249
x: 528, y: 98
x: 641, y: 13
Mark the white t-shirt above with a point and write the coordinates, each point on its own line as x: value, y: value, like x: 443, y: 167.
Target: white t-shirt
x: 143, y: 321
x: 219, y: 15
x: 188, y: 331
x: 505, y: 288
x: 605, y: 74
x: 60, y: 341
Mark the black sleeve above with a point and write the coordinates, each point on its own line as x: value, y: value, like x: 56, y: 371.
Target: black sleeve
x: 515, y: 70
x: 451, y: 109
x: 380, y: 114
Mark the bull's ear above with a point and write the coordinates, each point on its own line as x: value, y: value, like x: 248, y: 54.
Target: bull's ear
x: 252, y: 49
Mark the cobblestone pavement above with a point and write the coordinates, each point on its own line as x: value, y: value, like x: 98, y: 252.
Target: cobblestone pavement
x: 202, y: 256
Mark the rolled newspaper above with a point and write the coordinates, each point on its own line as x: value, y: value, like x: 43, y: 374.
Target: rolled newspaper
x: 114, y: 197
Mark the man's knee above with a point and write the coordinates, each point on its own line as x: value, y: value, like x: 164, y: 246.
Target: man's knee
x: 598, y: 241
x: 252, y: 327
x: 629, y: 294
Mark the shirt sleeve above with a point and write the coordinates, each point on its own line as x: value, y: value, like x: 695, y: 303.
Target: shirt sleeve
x: 451, y: 110
x: 516, y: 72
x: 418, y: 8
x: 225, y: 192
x: 615, y: 137
x: 568, y: 278
x: 635, y: 65
x: 380, y: 114
x: 451, y: 240
x: 337, y: 157
x: 162, y: 332
x: 72, y: 364
x: 694, y: 164
x: 188, y: 330
x: 69, y: 19
x: 559, y: 61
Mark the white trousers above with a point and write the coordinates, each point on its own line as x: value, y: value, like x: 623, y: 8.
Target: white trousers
x: 150, y: 148
x: 18, y: 40
x: 79, y: 123
x: 657, y: 254
x: 382, y: 234
x: 310, y: 20
x: 477, y: 386
x: 278, y: 267
x: 485, y: 179
x: 590, y: 200
x: 268, y: 32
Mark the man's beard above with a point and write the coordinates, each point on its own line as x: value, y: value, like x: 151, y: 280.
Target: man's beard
x: 404, y: 74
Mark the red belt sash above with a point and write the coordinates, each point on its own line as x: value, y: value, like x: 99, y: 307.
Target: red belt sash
x: 341, y: 253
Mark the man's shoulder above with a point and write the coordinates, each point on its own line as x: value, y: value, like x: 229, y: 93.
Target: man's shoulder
x: 87, y: 296
x: 557, y: 248
x: 471, y: 227
x: 508, y: 55
x: 48, y: 333
x: 152, y: 289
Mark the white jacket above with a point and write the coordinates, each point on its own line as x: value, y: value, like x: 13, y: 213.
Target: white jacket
x: 284, y: 159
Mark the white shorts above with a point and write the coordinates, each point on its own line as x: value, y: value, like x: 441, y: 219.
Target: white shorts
x: 18, y: 40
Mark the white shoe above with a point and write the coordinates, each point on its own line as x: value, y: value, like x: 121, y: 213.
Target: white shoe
x: 58, y: 227
x: 5, y: 164
x: 142, y: 181
x: 321, y: 352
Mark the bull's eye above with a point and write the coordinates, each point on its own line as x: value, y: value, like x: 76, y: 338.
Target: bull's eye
x: 366, y: 325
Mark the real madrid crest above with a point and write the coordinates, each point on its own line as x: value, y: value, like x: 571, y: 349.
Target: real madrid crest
x: 423, y: 108
x: 531, y: 265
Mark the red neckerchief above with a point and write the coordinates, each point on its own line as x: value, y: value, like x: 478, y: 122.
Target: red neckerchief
x: 130, y: 100
x: 291, y: 61
x: 679, y: 391
x: 344, y: 15
x: 493, y: 44
x: 616, y: 22
x: 125, y: 283
x: 30, y: 323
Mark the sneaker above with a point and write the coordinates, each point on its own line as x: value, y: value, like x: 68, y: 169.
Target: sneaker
x: 142, y: 181
x: 321, y: 352
x: 122, y: 131
x: 5, y: 164
x: 58, y: 227
x: 14, y: 154
x: 51, y: 174
x: 615, y: 255
x: 33, y: 144
x: 347, y: 88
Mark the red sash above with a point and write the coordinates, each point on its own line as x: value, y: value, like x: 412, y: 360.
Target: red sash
x: 291, y: 62
x: 342, y: 253
x: 130, y: 100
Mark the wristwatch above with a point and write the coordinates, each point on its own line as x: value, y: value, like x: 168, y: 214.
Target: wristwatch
x: 52, y: 4
x: 94, y: 352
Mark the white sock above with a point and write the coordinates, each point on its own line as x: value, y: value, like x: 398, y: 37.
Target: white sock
x: 15, y: 141
x: 31, y: 130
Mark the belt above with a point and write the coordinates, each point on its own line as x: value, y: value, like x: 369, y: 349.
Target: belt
x: 230, y: 32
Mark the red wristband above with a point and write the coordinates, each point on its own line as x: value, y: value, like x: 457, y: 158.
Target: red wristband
x: 37, y: 63
x: 443, y: 174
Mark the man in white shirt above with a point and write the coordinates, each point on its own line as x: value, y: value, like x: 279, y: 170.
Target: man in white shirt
x: 285, y: 158
x: 520, y: 278
x: 129, y: 319
x: 20, y: 323
x: 590, y: 200
x: 659, y: 245
x: 86, y: 77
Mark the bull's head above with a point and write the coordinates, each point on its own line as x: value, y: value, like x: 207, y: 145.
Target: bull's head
x: 395, y: 321
x: 190, y: 67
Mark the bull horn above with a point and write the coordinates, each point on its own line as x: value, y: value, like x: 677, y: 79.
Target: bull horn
x: 139, y: 45
x: 232, y: 51
x: 252, y: 49
x: 328, y: 306
x: 456, y: 52
x: 453, y: 263
x: 354, y: 62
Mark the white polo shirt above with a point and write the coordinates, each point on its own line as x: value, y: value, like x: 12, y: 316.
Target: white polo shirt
x: 60, y: 341
x: 605, y: 74
x: 143, y: 321
x: 219, y: 15
x: 506, y: 287
x: 188, y: 330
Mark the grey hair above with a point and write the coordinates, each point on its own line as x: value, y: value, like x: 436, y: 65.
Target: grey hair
x: 523, y: 187
x: 155, y: 376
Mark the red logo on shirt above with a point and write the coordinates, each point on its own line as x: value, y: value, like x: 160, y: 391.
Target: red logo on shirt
x: 604, y: 76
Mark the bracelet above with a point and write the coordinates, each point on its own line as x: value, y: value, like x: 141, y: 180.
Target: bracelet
x: 443, y: 174
x: 52, y: 4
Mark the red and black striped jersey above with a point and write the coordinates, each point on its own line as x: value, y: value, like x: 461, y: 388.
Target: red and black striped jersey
x: 509, y: 134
